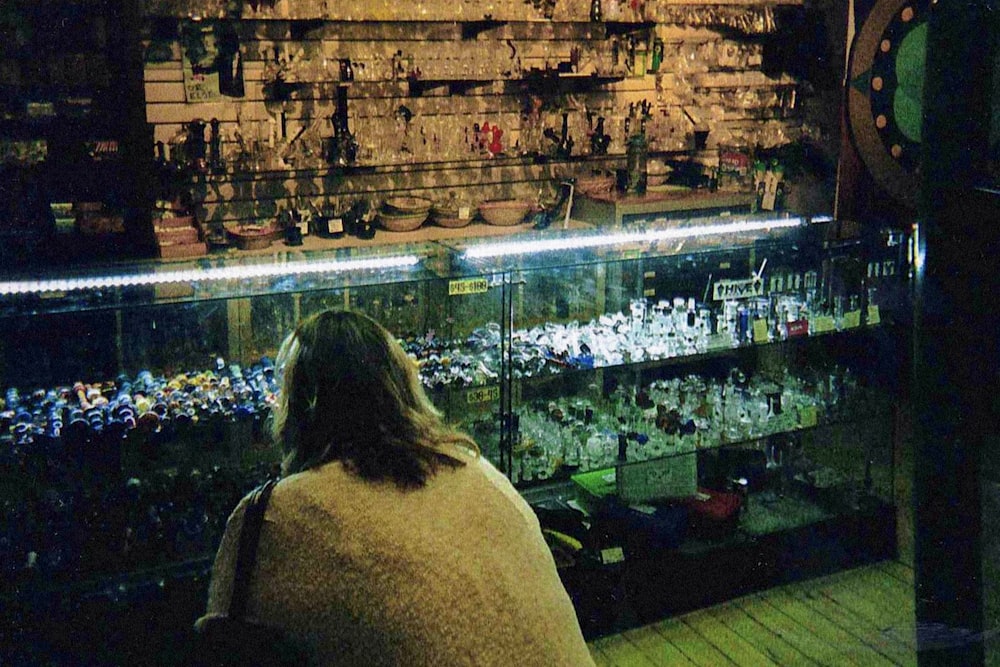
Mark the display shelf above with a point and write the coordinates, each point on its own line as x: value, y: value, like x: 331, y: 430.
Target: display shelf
x: 439, y: 29
x: 619, y: 209
x: 722, y: 3
x: 646, y: 587
x: 114, y: 588
x: 560, y: 369
x: 559, y: 81
x: 768, y: 516
x: 613, y: 28
x: 756, y: 441
x: 480, y: 161
x: 477, y: 16
x: 471, y: 29
x: 417, y: 86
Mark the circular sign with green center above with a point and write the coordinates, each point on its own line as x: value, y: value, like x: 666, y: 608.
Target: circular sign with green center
x: 885, y: 94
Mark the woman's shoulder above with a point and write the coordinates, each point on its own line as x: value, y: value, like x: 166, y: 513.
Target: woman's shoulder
x: 323, y: 481
x: 498, y: 481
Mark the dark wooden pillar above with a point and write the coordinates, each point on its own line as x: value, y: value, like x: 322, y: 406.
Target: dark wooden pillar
x: 955, y: 334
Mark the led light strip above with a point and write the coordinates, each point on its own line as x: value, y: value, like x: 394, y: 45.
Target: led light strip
x: 203, y: 275
x: 916, y: 252
x: 622, y: 238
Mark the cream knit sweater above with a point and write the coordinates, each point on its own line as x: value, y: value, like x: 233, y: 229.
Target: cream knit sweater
x: 362, y: 573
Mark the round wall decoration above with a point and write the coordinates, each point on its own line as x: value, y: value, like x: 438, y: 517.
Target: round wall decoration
x: 885, y: 94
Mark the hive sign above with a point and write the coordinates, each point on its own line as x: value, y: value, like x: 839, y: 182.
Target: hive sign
x: 743, y: 288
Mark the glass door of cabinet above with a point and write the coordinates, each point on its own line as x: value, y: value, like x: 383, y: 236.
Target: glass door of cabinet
x: 136, y: 399
x: 649, y: 381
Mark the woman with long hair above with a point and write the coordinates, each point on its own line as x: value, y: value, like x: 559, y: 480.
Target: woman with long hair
x: 389, y: 539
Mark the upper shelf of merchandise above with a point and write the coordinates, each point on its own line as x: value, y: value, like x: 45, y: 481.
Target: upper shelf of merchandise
x: 393, y: 258
x: 466, y: 11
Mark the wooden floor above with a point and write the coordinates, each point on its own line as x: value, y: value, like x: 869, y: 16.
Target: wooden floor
x: 857, y: 617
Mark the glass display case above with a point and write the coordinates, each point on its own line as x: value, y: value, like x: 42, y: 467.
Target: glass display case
x: 134, y: 417
x: 710, y: 401
x: 670, y: 397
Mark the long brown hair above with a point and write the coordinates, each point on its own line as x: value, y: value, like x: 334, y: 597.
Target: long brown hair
x: 350, y: 393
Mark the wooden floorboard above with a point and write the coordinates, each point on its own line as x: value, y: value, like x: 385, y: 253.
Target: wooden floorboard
x: 774, y: 646
x: 853, y: 649
x: 896, y: 569
x: 737, y: 649
x: 623, y: 653
x: 865, y: 632
x: 660, y: 652
x: 862, y: 617
x: 694, y: 647
x: 806, y: 642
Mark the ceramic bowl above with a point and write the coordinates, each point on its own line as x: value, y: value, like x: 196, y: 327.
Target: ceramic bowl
x: 397, y: 205
x: 452, y: 215
x: 505, y: 212
x: 402, y: 222
x: 596, y: 186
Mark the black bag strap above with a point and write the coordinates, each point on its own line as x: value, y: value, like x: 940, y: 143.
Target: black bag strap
x: 246, y: 554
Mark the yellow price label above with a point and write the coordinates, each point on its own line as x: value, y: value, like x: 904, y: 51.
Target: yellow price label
x: 808, y: 416
x: 612, y: 555
x: 852, y: 318
x: 760, y: 331
x: 720, y: 341
x: 874, y: 316
x: 465, y: 286
x: 822, y: 324
x: 483, y: 395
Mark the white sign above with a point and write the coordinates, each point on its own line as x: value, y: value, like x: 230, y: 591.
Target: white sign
x: 745, y: 288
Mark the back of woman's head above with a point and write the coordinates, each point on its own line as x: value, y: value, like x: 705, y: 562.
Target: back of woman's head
x: 350, y: 393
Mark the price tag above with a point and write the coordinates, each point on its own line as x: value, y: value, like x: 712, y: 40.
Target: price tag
x: 649, y: 274
x: 798, y: 328
x: 720, y: 341
x: 760, y: 331
x: 465, y: 286
x: 808, y: 416
x: 336, y: 225
x: 650, y: 292
x: 612, y: 555
x: 464, y: 213
x: 823, y: 324
x: 65, y: 225
x: 483, y: 395
x: 874, y: 316
x: 852, y: 319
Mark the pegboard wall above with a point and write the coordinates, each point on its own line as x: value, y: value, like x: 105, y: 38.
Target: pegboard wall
x: 486, y: 99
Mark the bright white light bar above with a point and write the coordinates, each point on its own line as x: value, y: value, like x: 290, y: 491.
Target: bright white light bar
x: 622, y: 238
x: 202, y: 275
x: 916, y: 252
